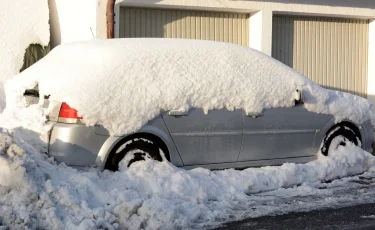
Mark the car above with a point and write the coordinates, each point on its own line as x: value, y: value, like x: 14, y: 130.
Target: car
x: 216, y: 139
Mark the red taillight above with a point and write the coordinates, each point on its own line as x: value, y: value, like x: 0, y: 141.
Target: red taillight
x: 67, y: 112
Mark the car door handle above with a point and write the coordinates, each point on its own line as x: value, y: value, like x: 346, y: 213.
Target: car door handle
x: 254, y: 115
x: 178, y: 113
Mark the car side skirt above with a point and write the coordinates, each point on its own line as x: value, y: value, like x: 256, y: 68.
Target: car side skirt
x: 257, y: 163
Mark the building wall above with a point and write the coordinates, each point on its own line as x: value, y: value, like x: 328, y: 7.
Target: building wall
x: 101, y: 19
x: 371, y: 62
x: 263, y: 11
x: 72, y: 20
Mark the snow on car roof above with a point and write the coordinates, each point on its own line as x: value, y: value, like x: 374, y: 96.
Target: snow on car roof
x: 123, y: 83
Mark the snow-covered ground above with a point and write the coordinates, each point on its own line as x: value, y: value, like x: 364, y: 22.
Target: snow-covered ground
x: 38, y: 193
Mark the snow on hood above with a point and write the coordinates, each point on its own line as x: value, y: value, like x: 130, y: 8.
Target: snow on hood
x: 123, y: 83
x: 37, y: 193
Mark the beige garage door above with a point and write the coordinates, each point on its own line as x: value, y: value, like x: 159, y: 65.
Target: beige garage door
x: 331, y: 52
x: 161, y: 23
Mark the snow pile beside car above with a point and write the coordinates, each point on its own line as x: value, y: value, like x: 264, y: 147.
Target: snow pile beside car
x: 123, y: 83
x: 22, y: 22
x: 38, y: 194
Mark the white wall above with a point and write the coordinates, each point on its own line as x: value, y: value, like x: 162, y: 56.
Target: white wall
x: 256, y: 29
x: 72, y: 20
x: 371, y: 66
x: 101, y: 19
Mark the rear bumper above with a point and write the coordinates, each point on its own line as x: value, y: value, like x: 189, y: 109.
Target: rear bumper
x: 75, y: 144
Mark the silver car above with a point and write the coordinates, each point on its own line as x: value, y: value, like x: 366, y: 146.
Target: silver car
x: 217, y: 140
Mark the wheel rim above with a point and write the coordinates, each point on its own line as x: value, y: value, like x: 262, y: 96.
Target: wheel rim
x: 134, y: 156
x: 337, y: 142
x: 137, y: 149
x: 338, y: 137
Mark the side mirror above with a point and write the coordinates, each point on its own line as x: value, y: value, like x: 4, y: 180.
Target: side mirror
x: 299, y: 97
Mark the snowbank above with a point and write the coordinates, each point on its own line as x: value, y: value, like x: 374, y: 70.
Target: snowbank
x: 123, y: 83
x: 37, y: 193
x: 22, y: 22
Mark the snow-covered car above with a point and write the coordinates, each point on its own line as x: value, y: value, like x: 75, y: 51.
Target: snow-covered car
x: 194, y: 103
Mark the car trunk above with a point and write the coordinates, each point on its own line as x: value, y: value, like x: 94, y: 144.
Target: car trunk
x: 32, y: 96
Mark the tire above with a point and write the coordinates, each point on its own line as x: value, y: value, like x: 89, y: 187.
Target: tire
x: 346, y: 134
x: 135, y: 150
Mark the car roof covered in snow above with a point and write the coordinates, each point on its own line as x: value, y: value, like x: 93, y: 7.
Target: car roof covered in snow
x: 123, y: 83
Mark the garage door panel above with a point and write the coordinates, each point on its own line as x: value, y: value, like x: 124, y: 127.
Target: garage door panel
x: 332, y: 52
x: 189, y: 24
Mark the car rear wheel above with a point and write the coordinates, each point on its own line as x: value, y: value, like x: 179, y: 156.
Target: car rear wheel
x: 138, y: 149
x: 339, y: 136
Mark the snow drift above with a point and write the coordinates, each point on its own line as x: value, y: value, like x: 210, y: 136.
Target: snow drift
x: 123, y: 83
x: 37, y: 193
x: 22, y: 22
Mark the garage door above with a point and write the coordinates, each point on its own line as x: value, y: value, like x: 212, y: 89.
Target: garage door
x: 331, y: 52
x: 161, y: 23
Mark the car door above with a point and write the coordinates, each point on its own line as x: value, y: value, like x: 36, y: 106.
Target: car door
x: 278, y: 133
x: 206, y: 138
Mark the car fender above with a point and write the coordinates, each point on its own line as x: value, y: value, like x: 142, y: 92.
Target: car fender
x: 329, y: 124
x: 160, y: 132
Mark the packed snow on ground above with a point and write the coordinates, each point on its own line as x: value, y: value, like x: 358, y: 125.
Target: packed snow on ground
x: 123, y: 83
x: 22, y: 22
x: 38, y: 193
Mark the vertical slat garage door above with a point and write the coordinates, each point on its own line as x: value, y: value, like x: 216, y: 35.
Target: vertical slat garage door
x: 162, y: 23
x: 332, y: 52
